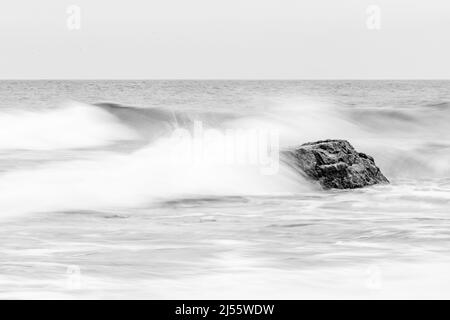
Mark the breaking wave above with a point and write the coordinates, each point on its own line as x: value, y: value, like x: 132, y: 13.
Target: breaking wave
x: 182, y: 153
x: 74, y: 125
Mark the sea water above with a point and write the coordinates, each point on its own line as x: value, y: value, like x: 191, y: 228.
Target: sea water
x: 101, y: 198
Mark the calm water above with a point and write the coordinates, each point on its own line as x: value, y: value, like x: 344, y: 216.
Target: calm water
x: 92, y: 204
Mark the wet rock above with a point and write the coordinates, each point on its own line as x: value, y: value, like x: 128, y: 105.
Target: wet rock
x: 335, y: 164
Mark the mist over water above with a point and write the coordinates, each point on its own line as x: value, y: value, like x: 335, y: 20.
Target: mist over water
x: 183, y: 178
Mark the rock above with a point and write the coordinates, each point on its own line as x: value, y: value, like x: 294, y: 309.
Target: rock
x: 335, y: 164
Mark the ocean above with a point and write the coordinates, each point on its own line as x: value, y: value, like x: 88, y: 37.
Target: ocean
x: 175, y: 190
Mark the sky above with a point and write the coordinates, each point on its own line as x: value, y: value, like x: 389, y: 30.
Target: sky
x: 225, y: 39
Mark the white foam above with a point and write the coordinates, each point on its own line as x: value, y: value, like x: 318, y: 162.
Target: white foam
x: 74, y: 125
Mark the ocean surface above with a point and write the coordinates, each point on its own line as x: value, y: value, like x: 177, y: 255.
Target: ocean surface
x: 175, y: 189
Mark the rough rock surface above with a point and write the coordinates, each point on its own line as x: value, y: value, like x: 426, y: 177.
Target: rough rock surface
x: 335, y: 164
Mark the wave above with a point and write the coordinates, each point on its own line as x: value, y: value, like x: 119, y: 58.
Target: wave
x: 189, y: 154
x: 74, y: 125
x: 155, y: 122
x: 439, y: 105
x: 77, y: 125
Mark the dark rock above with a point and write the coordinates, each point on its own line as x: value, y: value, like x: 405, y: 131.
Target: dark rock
x: 335, y: 164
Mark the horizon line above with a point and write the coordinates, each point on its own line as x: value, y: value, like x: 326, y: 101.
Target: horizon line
x: 224, y: 79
